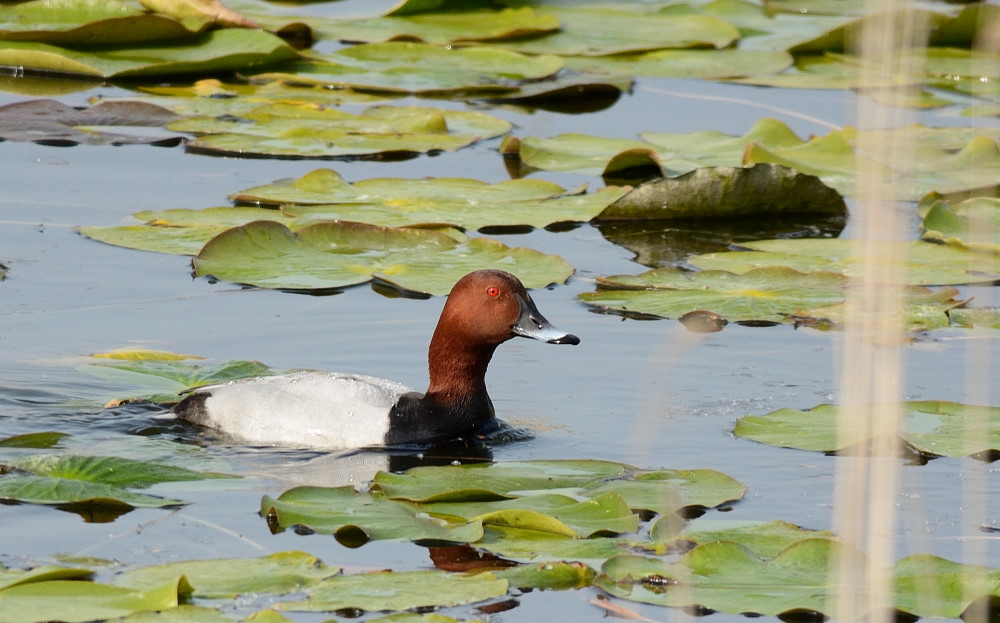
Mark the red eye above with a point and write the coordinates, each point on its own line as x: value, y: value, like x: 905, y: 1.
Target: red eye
x: 493, y: 291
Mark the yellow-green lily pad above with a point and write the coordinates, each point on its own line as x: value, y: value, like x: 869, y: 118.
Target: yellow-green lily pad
x: 332, y: 255
x: 443, y: 27
x: 972, y: 224
x: 219, y: 50
x: 925, y: 263
x: 73, y: 601
x: 221, y: 578
x: 693, y: 64
x: 399, y: 590
x: 294, y: 130
x: 408, y: 67
x: 932, y: 427
x: 461, y: 202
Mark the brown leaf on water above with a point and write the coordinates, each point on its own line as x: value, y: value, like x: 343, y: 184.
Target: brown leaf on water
x: 212, y: 9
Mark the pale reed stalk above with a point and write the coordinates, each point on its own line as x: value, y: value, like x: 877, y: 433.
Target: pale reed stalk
x: 871, y: 358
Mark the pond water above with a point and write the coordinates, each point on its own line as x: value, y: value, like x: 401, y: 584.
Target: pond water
x: 648, y: 393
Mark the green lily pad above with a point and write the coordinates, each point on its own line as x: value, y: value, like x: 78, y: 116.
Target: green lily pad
x: 728, y: 577
x: 770, y: 294
x: 161, y: 380
x: 936, y: 428
x: 44, y: 573
x: 465, y: 203
x: 766, y: 539
x: 596, y: 31
x: 44, y: 439
x: 604, y: 512
x: 187, y: 614
x: 78, y: 602
x: 970, y: 317
x: 402, y: 590
x: 215, y: 51
x: 728, y: 192
x: 559, y: 576
x: 493, y: 481
x: 972, y: 224
x: 283, y: 572
x: 693, y: 64
x: 926, y: 263
x: 330, y: 255
x: 297, y: 130
x: 933, y: 587
x: 407, y: 67
x: 573, y: 152
x: 109, y: 470
x: 76, y: 493
x: 669, y: 491
x: 178, y: 231
x: 85, y: 23
x: 532, y: 545
x: 356, y: 518
x: 443, y: 27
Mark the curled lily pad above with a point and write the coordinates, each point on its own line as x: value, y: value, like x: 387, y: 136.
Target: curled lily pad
x: 329, y: 255
x: 443, y: 27
x: 77, y: 602
x: 407, y: 67
x: 282, y: 572
x: 728, y: 192
x: 356, y: 518
x: 466, y: 203
x: 83, y: 23
x: 297, y: 130
x: 399, y: 590
x: 52, y: 123
x: 218, y: 50
x: 934, y: 428
x: 973, y: 223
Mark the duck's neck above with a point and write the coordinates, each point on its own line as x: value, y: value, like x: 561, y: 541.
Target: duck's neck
x: 457, y: 387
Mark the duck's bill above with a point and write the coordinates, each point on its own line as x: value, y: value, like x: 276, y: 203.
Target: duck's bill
x: 531, y: 323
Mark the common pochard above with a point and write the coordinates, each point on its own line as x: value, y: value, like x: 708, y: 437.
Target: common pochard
x: 336, y: 410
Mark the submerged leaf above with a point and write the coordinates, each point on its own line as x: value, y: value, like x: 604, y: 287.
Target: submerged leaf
x: 329, y: 255
x: 52, y: 123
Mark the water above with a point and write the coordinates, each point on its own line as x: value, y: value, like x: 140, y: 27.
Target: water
x: 643, y: 392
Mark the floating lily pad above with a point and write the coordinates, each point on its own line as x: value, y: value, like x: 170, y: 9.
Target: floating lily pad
x: 492, y: 481
x: 52, y: 123
x: 76, y: 494
x: 45, y: 439
x: 407, y: 67
x: 604, y: 512
x: 331, y: 255
x: 403, y: 590
x: 218, y: 50
x: 596, y: 31
x: 728, y: 192
x: 443, y: 27
x: 766, y: 539
x: 763, y: 294
x: 926, y: 263
x: 558, y: 576
x: 973, y: 224
x: 309, y: 131
x: 727, y: 577
x: 465, y: 203
x: 86, y: 23
x: 575, y: 152
x: 969, y: 317
x: 670, y: 491
x: 160, y: 380
x: 935, y: 428
x: 356, y: 518
x: 932, y: 587
x: 694, y: 64
x: 531, y: 545
x: 77, y: 602
x: 283, y: 572
x: 108, y: 470
x: 45, y: 573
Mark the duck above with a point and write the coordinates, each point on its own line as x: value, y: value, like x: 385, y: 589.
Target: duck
x: 316, y: 409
